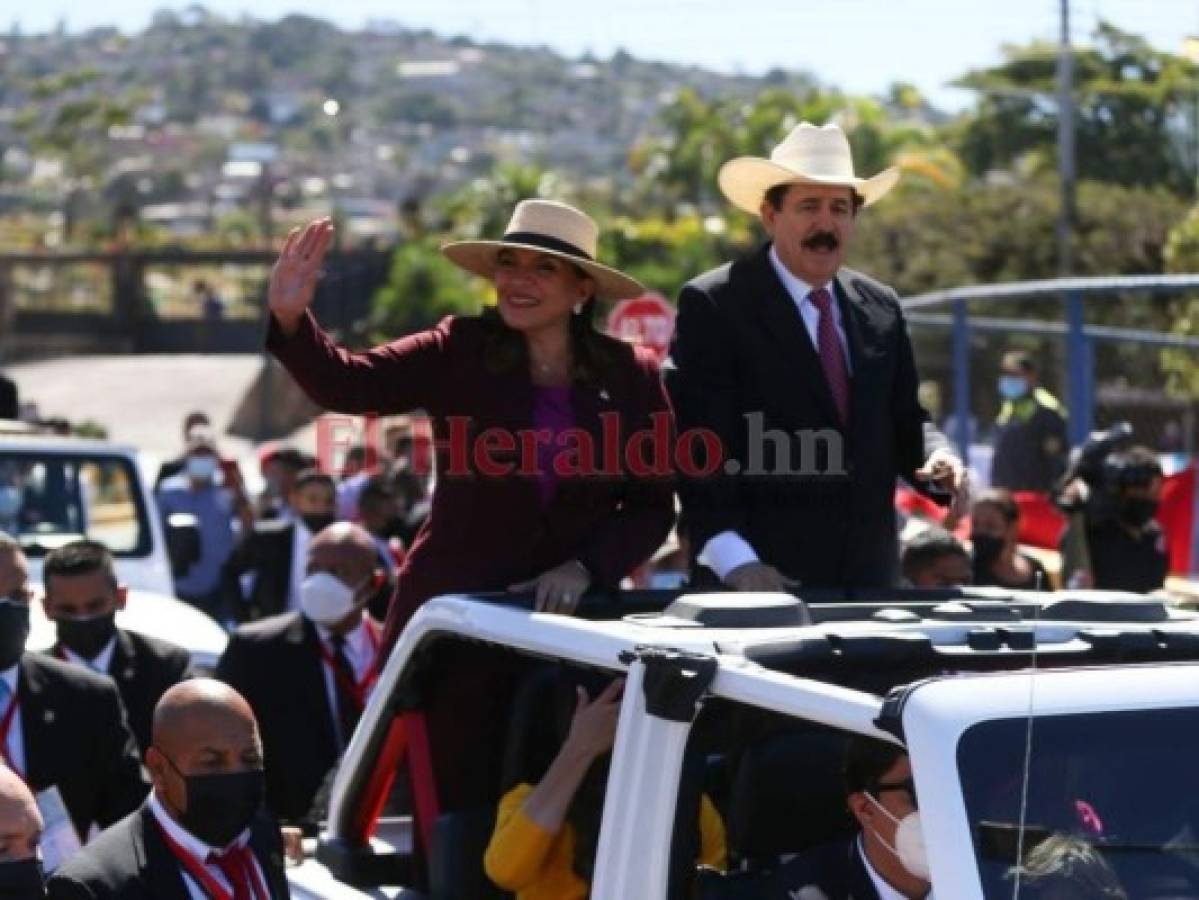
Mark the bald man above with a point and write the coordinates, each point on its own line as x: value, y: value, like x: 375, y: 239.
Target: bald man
x: 308, y: 673
x: 201, y: 834
x: 20, y: 832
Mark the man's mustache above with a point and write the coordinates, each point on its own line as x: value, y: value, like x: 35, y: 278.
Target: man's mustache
x: 821, y: 240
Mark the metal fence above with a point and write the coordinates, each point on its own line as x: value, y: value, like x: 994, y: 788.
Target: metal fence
x: 1071, y: 350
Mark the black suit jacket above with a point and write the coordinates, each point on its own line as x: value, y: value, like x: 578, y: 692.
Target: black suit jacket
x: 267, y: 552
x: 836, y: 869
x: 143, y: 668
x: 741, y: 348
x: 131, y: 861
x: 77, y: 737
x: 276, y: 665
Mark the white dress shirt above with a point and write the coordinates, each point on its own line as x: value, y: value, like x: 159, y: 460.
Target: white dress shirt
x: 301, y: 537
x: 200, y: 850
x: 361, y: 648
x: 101, y: 663
x: 885, y: 891
x: 728, y: 550
x: 15, y: 740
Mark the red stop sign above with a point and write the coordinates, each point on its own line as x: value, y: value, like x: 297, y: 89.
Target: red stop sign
x: 647, y: 321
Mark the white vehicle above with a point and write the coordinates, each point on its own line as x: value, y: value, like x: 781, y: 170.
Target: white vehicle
x: 54, y: 490
x: 1023, y: 717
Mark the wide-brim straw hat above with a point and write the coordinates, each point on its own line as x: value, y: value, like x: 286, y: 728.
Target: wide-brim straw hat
x: 548, y: 227
x: 809, y: 154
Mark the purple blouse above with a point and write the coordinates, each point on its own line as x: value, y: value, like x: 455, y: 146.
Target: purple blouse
x: 552, y: 412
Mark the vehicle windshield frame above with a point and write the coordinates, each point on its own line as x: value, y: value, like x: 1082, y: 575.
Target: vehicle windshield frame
x: 142, y: 548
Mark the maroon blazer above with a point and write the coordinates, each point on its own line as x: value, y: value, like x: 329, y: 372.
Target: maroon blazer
x: 487, y: 531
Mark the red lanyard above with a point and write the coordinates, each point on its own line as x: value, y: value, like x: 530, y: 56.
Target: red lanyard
x: 204, y: 878
x: 5, y: 726
x: 357, y: 690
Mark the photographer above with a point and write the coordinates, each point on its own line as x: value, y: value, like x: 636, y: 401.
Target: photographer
x: 1112, y: 493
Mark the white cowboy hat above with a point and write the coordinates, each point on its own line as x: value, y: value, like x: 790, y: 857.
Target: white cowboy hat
x: 548, y: 227
x: 809, y: 154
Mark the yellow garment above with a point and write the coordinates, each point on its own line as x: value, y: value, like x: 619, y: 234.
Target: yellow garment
x: 537, y: 865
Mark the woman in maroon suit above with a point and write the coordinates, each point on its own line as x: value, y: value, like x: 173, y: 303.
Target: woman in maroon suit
x: 553, y: 513
x: 501, y: 518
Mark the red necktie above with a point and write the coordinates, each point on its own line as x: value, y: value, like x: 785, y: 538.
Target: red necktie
x: 832, y: 354
x: 235, y: 864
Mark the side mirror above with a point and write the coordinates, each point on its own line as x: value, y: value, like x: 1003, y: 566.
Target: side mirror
x: 183, y: 542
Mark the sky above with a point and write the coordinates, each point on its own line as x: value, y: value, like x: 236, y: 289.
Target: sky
x: 861, y: 46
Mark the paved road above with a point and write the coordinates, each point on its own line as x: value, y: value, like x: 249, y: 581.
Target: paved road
x: 141, y: 400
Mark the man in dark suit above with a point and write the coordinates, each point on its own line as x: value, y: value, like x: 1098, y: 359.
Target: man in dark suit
x: 308, y: 673
x: 201, y: 833
x: 803, y: 371
x: 62, y: 728
x: 82, y: 597
x: 276, y: 550
x: 886, y: 860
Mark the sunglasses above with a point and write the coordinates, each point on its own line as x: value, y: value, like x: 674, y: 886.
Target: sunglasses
x: 908, y: 785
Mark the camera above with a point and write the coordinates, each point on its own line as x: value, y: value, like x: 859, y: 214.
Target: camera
x: 1104, y: 467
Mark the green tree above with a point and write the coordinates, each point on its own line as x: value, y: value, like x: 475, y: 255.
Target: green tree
x: 1134, y: 113
x: 1182, y: 255
x: 422, y: 287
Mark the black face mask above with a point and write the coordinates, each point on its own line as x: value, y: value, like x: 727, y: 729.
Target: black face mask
x: 318, y: 522
x: 14, y: 629
x: 220, y: 807
x: 87, y: 637
x: 987, y: 549
x: 21, y: 880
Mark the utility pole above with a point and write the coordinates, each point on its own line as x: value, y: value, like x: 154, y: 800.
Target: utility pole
x: 1065, y: 146
x: 1081, y: 367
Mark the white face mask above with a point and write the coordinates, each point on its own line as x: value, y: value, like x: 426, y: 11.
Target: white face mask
x: 325, y: 598
x: 909, y: 842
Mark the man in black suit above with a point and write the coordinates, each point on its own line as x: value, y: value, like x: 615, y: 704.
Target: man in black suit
x: 82, y: 599
x: 308, y: 673
x: 803, y: 371
x: 886, y: 860
x: 62, y: 728
x: 276, y: 550
x: 201, y: 832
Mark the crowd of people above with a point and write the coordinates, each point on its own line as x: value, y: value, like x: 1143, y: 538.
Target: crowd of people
x: 796, y: 373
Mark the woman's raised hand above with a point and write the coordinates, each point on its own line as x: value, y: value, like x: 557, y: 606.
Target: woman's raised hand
x: 296, y: 272
x: 593, y: 727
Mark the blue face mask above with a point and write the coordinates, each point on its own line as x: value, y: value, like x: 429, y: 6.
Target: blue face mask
x: 201, y: 467
x: 1012, y: 387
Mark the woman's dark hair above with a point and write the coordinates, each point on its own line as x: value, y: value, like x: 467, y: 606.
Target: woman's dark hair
x: 1002, y: 500
x: 506, y: 350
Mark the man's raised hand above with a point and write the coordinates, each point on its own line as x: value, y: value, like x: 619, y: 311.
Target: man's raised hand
x: 296, y: 272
